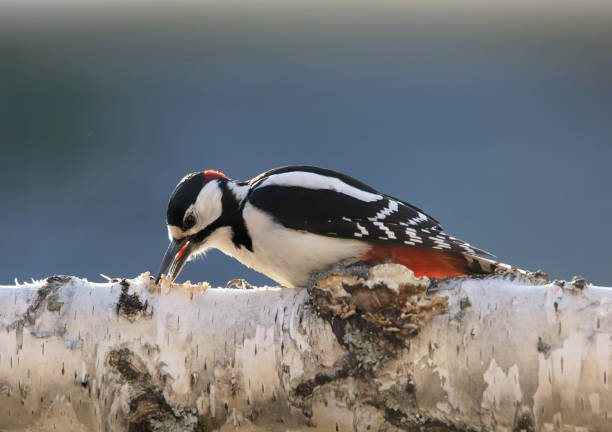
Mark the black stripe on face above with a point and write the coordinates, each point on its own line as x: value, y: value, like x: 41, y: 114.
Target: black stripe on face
x: 201, y: 235
x: 183, y: 196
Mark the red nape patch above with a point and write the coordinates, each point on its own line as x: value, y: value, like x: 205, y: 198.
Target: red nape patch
x: 423, y: 262
x: 210, y: 175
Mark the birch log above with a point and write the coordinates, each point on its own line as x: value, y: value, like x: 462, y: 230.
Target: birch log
x: 128, y: 355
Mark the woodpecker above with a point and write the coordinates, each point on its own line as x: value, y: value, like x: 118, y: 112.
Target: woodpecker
x: 291, y: 221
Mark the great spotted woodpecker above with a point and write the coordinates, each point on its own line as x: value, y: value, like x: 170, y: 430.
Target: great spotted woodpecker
x: 291, y: 221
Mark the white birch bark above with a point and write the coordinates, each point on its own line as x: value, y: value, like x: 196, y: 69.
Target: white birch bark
x: 502, y: 356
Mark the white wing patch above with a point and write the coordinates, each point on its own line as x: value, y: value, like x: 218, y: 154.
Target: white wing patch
x: 317, y: 181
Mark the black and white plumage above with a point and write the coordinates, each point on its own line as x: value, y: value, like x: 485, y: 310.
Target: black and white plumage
x: 290, y: 221
x: 325, y: 202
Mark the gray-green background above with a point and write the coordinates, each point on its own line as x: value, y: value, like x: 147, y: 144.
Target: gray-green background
x: 496, y: 122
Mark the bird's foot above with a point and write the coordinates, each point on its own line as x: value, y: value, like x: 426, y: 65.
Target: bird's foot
x: 239, y: 284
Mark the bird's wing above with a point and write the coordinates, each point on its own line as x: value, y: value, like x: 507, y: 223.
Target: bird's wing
x: 323, y: 203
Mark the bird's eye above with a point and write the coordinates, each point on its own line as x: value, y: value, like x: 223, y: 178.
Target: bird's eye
x: 189, y: 221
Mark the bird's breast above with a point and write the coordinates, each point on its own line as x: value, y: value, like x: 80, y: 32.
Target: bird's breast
x: 286, y: 255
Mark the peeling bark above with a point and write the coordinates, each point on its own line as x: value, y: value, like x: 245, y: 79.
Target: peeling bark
x: 353, y: 352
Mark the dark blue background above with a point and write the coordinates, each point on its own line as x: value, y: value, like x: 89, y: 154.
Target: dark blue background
x: 497, y: 124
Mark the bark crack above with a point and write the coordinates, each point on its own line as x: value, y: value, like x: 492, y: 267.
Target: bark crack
x: 148, y: 408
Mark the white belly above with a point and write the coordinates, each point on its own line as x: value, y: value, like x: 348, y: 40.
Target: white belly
x: 286, y: 255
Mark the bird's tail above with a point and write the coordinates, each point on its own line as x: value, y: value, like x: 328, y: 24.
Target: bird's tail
x: 480, y: 265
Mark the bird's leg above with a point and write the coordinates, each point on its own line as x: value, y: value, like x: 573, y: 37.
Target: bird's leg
x: 239, y: 284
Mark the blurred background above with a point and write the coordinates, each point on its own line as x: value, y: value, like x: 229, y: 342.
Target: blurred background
x: 496, y: 120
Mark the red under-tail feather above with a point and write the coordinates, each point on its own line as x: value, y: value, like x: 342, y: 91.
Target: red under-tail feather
x: 435, y: 264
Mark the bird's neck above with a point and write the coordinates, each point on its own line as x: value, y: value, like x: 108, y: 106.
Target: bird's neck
x: 232, y: 201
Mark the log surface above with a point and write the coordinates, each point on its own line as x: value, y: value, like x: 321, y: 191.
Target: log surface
x: 129, y: 355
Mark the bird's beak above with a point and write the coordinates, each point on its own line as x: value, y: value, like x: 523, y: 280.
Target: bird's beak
x: 176, y: 256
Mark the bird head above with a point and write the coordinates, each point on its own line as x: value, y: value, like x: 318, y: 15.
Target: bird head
x: 194, y: 212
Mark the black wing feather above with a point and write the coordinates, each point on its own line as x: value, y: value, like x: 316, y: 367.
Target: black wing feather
x: 335, y: 214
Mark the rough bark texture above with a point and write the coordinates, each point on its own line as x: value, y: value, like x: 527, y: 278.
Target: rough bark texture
x: 493, y: 354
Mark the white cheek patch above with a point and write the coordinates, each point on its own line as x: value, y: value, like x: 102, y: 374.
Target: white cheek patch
x: 207, y: 207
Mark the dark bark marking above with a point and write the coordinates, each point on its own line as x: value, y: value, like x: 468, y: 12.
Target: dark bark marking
x: 129, y: 306
x: 149, y: 409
